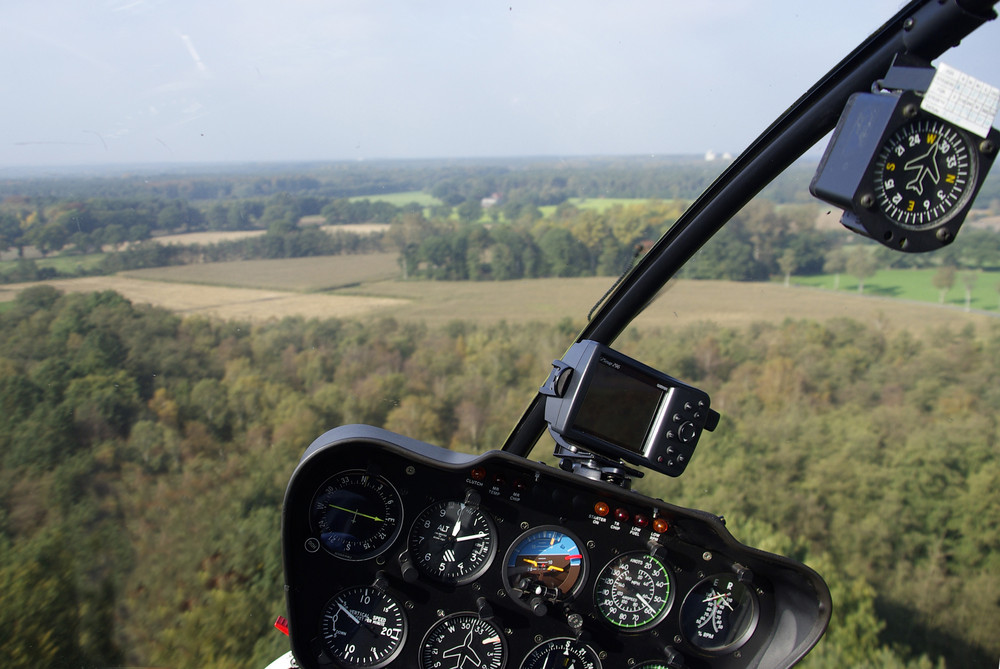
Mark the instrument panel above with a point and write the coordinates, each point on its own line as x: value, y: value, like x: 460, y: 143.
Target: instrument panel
x: 398, y: 553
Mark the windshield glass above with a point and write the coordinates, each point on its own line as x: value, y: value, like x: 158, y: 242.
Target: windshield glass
x: 228, y: 227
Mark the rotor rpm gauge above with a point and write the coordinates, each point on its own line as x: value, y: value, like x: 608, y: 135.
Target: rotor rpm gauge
x: 363, y: 626
x: 357, y: 515
x: 453, y: 542
x: 925, y: 173
x: 562, y: 652
x: 463, y: 640
x: 719, y: 614
x: 633, y: 591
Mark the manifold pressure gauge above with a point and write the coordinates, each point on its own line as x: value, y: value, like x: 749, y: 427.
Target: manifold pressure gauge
x: 903, y: 176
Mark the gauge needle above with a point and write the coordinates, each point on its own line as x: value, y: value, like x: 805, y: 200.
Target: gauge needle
x: 358, y: 513
x: 645, y: 602
x: 533, y: 563
x: 552, y: 567
x: 470, y: 537
x: 349, y: 614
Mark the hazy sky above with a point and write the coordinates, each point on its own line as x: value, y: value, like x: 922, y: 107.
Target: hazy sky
x: 151, y: 81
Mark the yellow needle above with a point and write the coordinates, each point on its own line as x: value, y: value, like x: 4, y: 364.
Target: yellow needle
x: 358, y: 513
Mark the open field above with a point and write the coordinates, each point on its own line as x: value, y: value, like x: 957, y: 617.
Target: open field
x: 547, y: 300
x: 207, y: 237
x: 915, y: 284
x: 62, y: 263
x: 302, y: 275
x: 221, y: 301
x: 400, y: 199
x: 365, y: 285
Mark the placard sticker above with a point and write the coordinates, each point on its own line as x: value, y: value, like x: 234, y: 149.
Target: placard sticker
x: 962, y: 99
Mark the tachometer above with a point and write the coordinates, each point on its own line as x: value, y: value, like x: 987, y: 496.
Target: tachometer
x: 633, y: 591
x: 719, y: 614
x: 363, y: 626
x: 357, y: 515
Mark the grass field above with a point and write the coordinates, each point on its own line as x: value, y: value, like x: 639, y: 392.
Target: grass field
x: 596, y: 203
x: 301, y: 275
x: 66, y: 263
x: 914, y: 284
x: 400, y: 199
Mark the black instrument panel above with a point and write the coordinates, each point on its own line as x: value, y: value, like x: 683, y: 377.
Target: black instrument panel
x: 402, y: 554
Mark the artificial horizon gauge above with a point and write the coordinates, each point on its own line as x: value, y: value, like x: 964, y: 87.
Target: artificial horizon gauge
x: 633, y: 591
x: 546, y: 562
x: 453, y: 542
x: 356, y: 515
x: 363, y: 626
x: 562, y: 652
x: 719, y: 614
x: 463, y: 640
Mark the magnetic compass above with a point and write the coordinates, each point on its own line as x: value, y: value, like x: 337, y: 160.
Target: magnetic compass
x: 924, y: 173
x: 903, y: 176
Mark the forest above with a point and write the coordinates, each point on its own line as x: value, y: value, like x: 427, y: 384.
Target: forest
x: 143, y: 459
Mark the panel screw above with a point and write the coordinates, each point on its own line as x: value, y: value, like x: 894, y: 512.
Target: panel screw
x: 943, y: 235
x: 909, y: 111
x: 908, y: 24
x: 867, y: 200
x: 986, y: 146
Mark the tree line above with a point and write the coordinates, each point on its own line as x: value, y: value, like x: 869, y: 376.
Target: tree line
x: 143, y: 459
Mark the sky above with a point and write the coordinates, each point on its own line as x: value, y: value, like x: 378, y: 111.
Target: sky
x: 121, y: 82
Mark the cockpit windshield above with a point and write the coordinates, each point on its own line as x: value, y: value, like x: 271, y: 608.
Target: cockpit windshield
x: 286, y: 289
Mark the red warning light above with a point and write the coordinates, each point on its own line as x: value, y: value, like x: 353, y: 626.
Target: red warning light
x: 621, y: 514
x: 640, y: 520
x: 478, y: 474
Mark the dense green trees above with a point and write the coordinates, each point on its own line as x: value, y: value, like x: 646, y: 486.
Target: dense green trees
x: 143, y: 460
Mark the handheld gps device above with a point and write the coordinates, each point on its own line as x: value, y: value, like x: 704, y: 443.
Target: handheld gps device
x: 603, y: 401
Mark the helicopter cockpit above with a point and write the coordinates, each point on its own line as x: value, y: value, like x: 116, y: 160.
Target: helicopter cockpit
x: 399, y: 553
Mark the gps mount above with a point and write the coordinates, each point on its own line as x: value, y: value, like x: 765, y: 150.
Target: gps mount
x: 603, y: 408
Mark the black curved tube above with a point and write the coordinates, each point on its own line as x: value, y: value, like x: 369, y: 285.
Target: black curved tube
x: 924, y: 28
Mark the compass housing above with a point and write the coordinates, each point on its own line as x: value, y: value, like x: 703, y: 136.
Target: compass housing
x: 903, y: 176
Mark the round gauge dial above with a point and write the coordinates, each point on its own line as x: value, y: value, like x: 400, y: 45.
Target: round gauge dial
x: 633, y: 591
x: 924, y: 173
x: 356, y: 515
x: 719, y: 614
x: 453, y: 542
x: 562, y: 652
x: 463, y: 640
x: 547, y: 560
x: 363, y: 626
